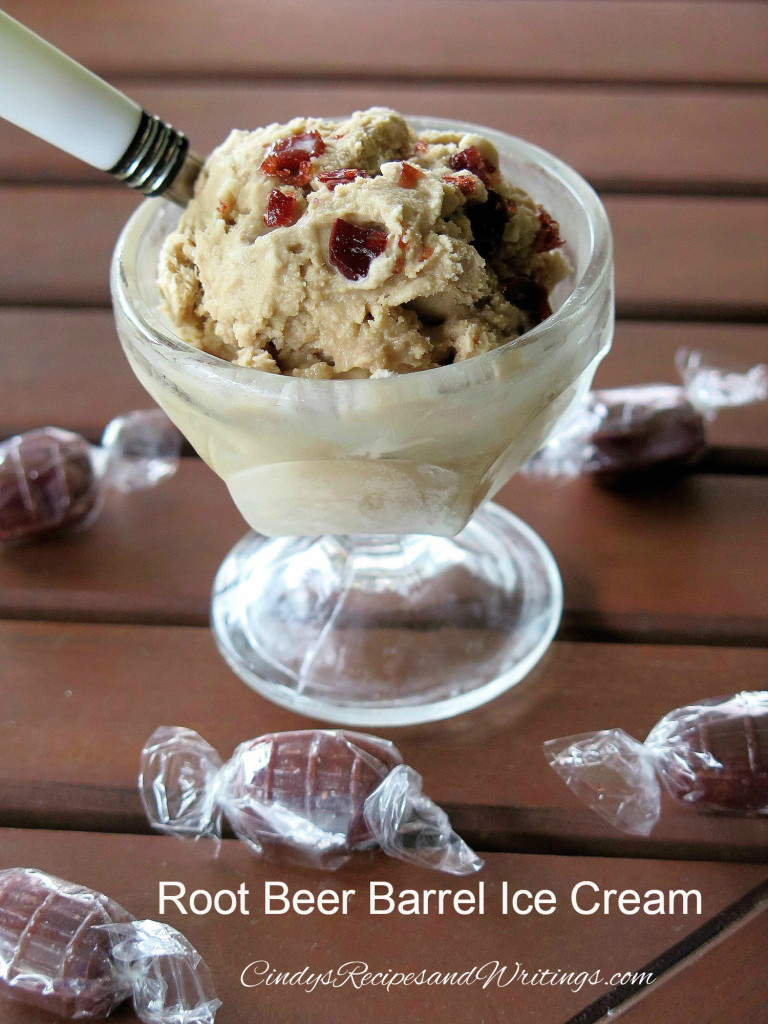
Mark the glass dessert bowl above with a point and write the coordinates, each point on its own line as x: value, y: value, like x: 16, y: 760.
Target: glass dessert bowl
x: 380, y: 590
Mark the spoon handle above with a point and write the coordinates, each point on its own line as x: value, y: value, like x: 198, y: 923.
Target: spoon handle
x: 52, y: 96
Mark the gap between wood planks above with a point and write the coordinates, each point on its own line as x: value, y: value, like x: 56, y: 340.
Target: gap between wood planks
x: 675, y: 959
x: 227, y: 76
x: 576, y: 626
x: 489, y: 829
x: 721, y: 42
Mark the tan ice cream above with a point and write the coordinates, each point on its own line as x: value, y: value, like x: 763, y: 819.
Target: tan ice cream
x: 357, y: 248
x: 293, y: 260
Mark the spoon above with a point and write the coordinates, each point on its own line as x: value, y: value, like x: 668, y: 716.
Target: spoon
x: 53, y: 97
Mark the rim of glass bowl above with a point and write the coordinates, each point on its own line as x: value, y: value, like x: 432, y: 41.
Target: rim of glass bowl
x: 127, y: 296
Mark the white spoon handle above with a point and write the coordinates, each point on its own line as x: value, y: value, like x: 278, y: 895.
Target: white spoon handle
x: 52, y: 96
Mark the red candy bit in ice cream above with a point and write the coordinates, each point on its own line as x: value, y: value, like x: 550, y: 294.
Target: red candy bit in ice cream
x: 281, y: 209
x: 464, y: 182
x: 341, y: 177
x: 548, y: 236
x: 528, y: 295
x: 290, y: 158
x: 470, y: 159
x: 224, y: 208
x: 420, y: 147
x: 353, y: 247
x: 409, y: 176
x: 402, y: 249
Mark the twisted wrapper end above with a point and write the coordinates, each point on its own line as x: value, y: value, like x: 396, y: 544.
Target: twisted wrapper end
x: 613, y: 773
x: 408, y: 825
x: 171, y: 982
x: 711, y: 388
x: 139, y: 450
x: 179, y: 784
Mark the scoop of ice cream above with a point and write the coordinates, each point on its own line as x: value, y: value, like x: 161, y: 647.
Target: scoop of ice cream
x: 357, y: 248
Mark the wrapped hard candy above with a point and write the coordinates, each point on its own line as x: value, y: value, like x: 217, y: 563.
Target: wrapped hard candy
x: 315, y: 797
x: 47, y: 483
x: 622, y: 435
x: 651, y: 429
x: 712, y: 756
x: 76, y: 953
x: 52, y: 480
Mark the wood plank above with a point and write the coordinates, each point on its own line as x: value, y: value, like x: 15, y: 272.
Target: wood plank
x: 65, y: 368
x: 711, y: 971
x: 711, y: 141
x: 685, y: 254
x: 679, y: 257
x: 47, y: 349
x: 657, y: 563
x: 80, y: 700
x: 613, y: 550
x: 128, y: 868
x: 560, y: 39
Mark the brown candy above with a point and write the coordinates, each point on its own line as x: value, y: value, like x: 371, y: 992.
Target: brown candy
x: 47, y: 483
x: 303, y: 792
x: 717, y: 757
x: 656, y: 432
x: 51, y: 954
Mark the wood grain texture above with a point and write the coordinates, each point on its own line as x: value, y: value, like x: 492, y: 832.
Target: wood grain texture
x: 711, y: 971
x: 66, y: 367
x: 80, y: 700
x: 676, y: 139
x: 656, y: 565
x: 679, y: 558
x: 128, y: 868
x: 456, y: 39
x: 679, y: 256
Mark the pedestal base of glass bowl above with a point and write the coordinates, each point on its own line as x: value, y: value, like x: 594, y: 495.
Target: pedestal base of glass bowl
x: 384, y: 631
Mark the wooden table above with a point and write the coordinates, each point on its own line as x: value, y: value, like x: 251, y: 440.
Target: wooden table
x: 103, y: 635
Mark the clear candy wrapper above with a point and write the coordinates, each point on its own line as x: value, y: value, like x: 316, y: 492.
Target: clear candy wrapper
x: 315, y: 798
x: 712, y: 756
x: 52, y: 480
x: 622, y: 434
x: 76, y: 953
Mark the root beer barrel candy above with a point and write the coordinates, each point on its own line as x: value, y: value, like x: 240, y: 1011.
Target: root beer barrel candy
x: 76, y: 953
x: 52, y: 480
x: 52, y: 955
x: 643, y: 431
x: 715, y: 755
x: 634, y: 434
x: 47, y: 483
x: 319, y: 776
x: 313, y: 797
x: 712, y: 756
